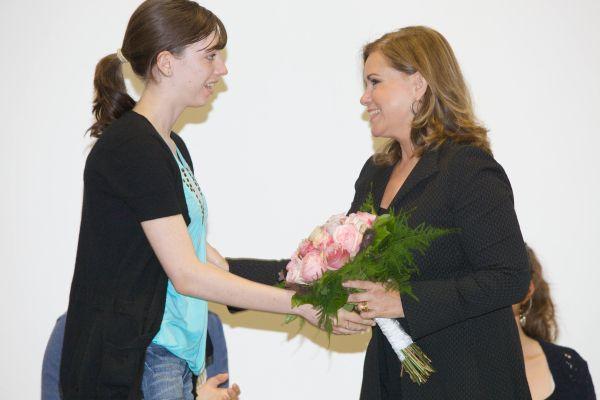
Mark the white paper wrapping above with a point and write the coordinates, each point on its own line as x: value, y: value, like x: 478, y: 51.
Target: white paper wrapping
x: 395, y: 335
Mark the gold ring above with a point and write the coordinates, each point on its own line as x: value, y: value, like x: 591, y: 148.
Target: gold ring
x: 363, y: 306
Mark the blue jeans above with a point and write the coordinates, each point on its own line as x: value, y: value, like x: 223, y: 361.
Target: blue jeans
x: 217, y: 364
x: 51, y: 363
x: 166, y: 376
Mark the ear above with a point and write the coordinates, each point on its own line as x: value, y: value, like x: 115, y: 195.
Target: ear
x: 530, y: 292
x: 164, y: 63
x: 419, y: 85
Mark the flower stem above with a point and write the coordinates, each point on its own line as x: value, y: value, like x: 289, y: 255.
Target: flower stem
x: 416, y: 364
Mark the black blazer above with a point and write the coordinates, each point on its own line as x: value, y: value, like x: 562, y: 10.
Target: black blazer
x: 467, y: 282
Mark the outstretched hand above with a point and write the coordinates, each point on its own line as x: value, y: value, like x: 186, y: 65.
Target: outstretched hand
x: 346, y: 323
x: 211, y: 391
x: 375, y: 300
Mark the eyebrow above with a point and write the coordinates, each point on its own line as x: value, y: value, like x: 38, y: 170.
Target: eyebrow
x: 371, y: 76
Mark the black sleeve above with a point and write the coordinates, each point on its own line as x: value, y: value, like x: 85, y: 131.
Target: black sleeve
x: 256, y: 270
x: 267, y: 271
x: 481, y: 202
x: 362, y: 186
x: 139, y: 173
x: 587, y: 383
x: 577, y: 369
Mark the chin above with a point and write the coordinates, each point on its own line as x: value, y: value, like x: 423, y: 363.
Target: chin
x: 199, y: 103
x: 378, y: 134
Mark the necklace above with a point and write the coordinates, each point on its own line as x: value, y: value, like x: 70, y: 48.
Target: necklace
x: 190, y: 181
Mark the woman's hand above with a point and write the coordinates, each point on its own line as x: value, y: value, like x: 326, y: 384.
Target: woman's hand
x: 214, y: 257
x: 211, y: 391
x: 376, y: 301
x: 346, y: 323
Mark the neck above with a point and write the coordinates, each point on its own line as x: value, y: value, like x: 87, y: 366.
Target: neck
x: 407, y: 147
x: 526, y: 341
x: 161, y: 113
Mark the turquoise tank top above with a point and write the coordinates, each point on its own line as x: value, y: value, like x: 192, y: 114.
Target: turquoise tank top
x: 183, y: 328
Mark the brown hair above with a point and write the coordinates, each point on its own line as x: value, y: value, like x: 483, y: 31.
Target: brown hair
x: 540, y: 321
x: 445, y: 110
x: 155, y: 26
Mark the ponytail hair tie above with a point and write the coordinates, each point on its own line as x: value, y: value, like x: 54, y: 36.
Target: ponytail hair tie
x: 121, y: 57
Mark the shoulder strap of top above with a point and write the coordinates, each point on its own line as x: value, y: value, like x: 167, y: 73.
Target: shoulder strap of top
x: 182, y: 148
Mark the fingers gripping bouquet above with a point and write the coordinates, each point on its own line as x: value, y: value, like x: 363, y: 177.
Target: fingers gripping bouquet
x: 362, y: 246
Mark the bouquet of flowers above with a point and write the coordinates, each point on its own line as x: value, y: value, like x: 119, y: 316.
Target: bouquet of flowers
x: 362, y: 246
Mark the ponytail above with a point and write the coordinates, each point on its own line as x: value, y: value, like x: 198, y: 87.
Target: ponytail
x: 111, y: 99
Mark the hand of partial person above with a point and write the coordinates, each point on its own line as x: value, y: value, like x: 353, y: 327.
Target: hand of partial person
x: 211, y: 391
x: 214, y: 257
x: 375, y: 301
x: 346, y: 323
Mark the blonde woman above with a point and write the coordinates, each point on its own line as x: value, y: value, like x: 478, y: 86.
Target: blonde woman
x: 438, y: 164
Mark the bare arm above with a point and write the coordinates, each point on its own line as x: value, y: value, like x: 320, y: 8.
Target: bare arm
x: 170, y: 241
x: 172, y: 245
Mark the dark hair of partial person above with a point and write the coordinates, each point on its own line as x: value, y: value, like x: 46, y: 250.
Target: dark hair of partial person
x: 155, y: 26
x: 445, y: 111
x: 540, y: 322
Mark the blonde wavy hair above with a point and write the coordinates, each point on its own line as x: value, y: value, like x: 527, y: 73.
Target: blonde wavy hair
x: 445, y: 111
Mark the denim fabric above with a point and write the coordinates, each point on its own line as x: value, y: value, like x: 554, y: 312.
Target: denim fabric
x: 51, y: 363
x: 166, y: 376
x: 217, y: 364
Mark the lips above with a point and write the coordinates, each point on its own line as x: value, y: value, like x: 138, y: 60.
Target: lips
x: 210, y: 85
x: 373, y: 112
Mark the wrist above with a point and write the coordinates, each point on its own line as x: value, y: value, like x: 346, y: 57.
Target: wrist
x: 400, y: 308
x: 302, y: 311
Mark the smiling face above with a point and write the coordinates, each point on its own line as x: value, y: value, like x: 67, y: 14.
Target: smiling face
x: 388, y: 96
x: 196, y: 71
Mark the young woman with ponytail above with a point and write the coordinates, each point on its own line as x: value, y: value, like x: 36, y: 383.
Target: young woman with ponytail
x: 553, y: 371
x: 136, y: 323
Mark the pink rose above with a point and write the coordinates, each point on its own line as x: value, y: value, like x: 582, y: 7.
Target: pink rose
x: 334, y: 222
x: 358, y: 223
x: 349, y: 237
x: 337, y: 219
x: 320, y: 238
x: 336, y: 256
x: 294, y: 268
x: 313, y: 266
x: 305, y: 247
x: 361, y: 220
x: 366, y: 217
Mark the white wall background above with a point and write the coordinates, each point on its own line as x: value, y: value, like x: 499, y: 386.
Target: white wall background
x: 279, y: 149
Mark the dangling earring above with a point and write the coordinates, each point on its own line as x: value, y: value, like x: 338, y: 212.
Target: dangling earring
x: 412, y: 107
x: 523, y: 314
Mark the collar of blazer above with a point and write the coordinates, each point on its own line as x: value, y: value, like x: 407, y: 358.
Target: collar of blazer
x: 426, y: 167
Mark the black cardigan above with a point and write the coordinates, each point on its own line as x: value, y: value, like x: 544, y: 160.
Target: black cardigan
x: 570, y: 372
x: 119, y: 288
x: 467, y: 284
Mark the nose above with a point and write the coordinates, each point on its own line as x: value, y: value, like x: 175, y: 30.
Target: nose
x: 221, y: 69
x: 366, y: 97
